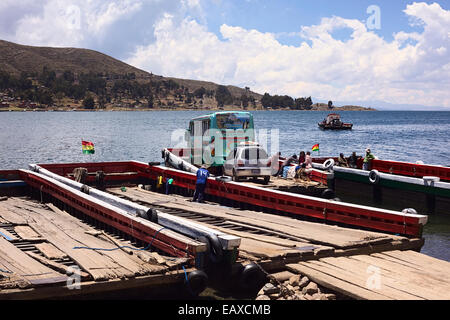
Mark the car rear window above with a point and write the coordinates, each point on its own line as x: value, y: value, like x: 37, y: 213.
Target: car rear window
x: 254, y: 154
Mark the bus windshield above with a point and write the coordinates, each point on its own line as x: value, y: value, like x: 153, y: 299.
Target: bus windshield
x: 233, y: 121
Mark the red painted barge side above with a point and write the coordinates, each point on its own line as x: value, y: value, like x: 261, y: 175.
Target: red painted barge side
x: 144, y: 232
x: 326, y: 210
x: 402, y: 168
x: 411, y: 169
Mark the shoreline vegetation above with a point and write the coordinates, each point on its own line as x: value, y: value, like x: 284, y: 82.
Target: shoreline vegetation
x: 66, y: 91
x: 335, y: 109
x: 71, y: 79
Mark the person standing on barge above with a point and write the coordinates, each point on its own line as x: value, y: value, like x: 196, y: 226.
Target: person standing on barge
x: 367, y: 163
x: 202, y: 178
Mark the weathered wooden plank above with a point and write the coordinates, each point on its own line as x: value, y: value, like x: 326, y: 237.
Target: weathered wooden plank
x: 434, y: 271
x: 364, y: 272
x: 154, y: 282
x: 396, y: 268
x: 50, y: 251
x: 27, y: 233
x: 9, y: 216
x: 68, y: 234
x: 310, y: 232
x: 24, y: 266
x: 7, y: 235
x: 423, y: 261
x: 329, y: 280
x: 56, y: 265
x: 265, y: 250
x: 409, y: 279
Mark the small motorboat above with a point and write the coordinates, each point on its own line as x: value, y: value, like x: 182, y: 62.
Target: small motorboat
x: 333, y: 122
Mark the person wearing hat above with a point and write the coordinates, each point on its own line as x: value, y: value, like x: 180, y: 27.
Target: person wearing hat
x: 368, y: 160
x: 202, y: 178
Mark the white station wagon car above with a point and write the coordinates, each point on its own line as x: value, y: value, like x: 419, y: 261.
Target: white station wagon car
x: 248, y: 160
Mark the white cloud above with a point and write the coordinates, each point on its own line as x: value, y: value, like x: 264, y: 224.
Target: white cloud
x: 170, y: 37
x: 412, y: 68
x: 65, y: 22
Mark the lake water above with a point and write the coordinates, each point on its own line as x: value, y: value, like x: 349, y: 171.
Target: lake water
x: 46, y: 137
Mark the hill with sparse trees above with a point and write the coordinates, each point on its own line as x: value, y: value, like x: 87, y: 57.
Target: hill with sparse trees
x: 70, y: 79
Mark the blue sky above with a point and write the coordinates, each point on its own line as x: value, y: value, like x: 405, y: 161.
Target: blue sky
x: 289, y: 16
x: 324, y: 49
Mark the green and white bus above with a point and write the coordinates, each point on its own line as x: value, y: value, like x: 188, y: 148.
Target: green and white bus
x: 212, y: 137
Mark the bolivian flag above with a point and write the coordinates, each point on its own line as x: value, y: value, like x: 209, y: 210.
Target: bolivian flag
x: 315, y: 147
x: 88, y: 147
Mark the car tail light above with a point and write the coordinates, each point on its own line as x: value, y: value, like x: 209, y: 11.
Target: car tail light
x: 269, y: 163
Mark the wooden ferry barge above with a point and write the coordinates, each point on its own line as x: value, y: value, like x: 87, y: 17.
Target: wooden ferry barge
x: 270, y: 239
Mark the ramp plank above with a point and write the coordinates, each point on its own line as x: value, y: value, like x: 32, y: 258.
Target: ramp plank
x: 27, y: 233
x: 329, y: 280
x: 50, y: 251
x: 304, y: 231
x: 66, y: 233
x: 7, y: 235
x: 23, y: 266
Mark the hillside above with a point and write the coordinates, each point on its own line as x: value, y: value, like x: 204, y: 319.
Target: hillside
x: 16, y: 59
x: 72, y: 78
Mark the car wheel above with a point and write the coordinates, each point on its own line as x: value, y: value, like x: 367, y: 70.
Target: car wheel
x: 266, y: 179
x: 235, y: 177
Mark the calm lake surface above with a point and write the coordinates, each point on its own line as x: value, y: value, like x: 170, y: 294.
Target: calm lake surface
x: 53, y: 137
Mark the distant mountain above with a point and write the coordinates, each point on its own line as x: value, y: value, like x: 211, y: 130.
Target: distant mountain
x: 347, y: 107
x: 15, y: 58
x: 386, y: 106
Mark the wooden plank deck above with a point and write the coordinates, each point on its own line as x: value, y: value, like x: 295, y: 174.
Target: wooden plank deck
x: 298, y: 240
x: 358, y: 264
x: 398, y: 275
x: 27, y: 268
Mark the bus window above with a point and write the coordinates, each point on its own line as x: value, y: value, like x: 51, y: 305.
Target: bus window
x: 233, y: 121
x: 205, y: 126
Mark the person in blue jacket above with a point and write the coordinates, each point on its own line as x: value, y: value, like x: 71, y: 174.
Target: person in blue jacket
x: 202, y: 178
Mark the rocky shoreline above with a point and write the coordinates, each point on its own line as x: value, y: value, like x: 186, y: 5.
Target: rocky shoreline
x: 286, y: 286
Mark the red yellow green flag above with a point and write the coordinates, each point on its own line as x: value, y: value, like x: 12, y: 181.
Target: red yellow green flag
x: 88, y: 147
x: 315, y: 147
